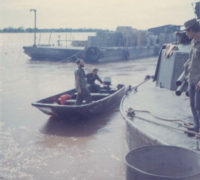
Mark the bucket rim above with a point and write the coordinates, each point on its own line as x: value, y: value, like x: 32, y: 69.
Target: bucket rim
x: 155, y: 175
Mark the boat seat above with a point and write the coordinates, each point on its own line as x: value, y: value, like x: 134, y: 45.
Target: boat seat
x: 71, y: 101
x: 99, y: 94
x: 96, y: 94
x: 95, y: 97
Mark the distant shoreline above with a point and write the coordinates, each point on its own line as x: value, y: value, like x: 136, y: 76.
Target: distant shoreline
x: 51, y: 32
x: 61, y: 30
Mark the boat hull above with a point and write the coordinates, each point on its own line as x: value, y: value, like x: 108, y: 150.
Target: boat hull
x: 51, y: 53
x: 90, y: 54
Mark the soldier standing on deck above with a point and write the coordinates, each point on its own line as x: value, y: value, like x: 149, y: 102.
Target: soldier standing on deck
x: 81, y: 84
x: 192, y: 29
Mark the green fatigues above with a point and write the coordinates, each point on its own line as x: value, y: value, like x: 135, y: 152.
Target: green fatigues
x: 194, y: 75
x: 194, y: 78
x: 85, y: 94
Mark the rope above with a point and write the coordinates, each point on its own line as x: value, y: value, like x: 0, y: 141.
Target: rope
x: 168, y: 126
x: 156, y: 123
x: 161, y: 118
x: 130, y: 89
x: 131, y: 115
x: 74, y: 55
x: 135, y: 88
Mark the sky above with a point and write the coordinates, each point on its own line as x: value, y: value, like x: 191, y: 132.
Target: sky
x: 103, y: 14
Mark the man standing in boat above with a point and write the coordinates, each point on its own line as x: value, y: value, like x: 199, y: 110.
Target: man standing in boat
x: 91, y: 78
x: 81, y: 84
x: 192, y: 29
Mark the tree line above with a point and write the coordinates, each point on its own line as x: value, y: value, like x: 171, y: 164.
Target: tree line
x: 30, y: 30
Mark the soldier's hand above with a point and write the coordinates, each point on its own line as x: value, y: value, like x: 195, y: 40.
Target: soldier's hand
x: 198, y: 86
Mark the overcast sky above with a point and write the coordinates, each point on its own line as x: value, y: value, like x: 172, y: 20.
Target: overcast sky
x: 104, y: 14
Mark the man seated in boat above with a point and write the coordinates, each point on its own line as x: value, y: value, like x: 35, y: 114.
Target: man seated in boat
x: 91, y: 78
x: 81, y: 84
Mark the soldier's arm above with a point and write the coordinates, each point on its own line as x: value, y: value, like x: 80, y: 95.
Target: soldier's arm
x: 198, y: 59
x: 99, y: 79
x: 186, y: 63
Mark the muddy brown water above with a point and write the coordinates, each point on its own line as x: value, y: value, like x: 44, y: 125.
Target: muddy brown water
x: 34, y: 146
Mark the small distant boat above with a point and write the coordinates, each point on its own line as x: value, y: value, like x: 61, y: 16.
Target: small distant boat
x: 102, y: 101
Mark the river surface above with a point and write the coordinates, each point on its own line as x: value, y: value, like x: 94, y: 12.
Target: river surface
x: 34, y: 146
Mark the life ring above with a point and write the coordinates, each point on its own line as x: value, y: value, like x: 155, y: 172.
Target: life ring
x: 63, y: 98
x: 92, y: 54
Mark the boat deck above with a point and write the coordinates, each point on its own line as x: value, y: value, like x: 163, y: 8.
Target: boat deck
x: 160, y: 117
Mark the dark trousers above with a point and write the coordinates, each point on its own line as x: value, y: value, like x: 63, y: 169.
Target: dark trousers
x: 195, y: 105
x: 84, y: 95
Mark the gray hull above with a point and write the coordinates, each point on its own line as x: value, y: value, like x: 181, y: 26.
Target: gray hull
x: 90, y: 54
x: 51, y: 53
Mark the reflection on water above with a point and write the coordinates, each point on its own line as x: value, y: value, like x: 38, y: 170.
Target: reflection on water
x: 76, y: 126
x: 35, y: 146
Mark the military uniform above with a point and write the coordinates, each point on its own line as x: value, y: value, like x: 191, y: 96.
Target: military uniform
x: 85, y: 94
x: 194, y: 78
x: 91, y: 78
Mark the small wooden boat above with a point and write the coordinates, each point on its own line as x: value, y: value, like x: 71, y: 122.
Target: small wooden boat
x: 102, y: 101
